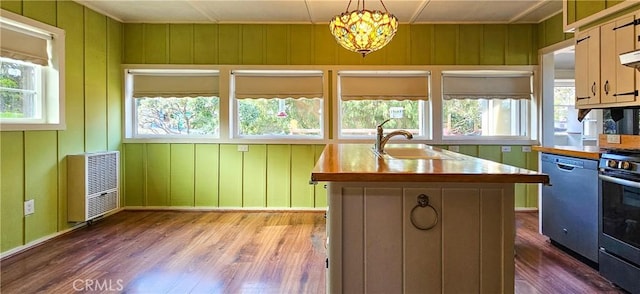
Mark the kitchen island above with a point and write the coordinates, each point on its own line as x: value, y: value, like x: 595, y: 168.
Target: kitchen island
x: 418, y: 219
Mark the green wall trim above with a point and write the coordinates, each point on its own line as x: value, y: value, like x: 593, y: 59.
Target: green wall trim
x: 12, y: 194
x: 182, y: 175
x: 71, y: 140
x: 207, y: 170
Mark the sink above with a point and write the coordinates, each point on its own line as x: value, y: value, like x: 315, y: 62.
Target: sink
x: 412, y: 151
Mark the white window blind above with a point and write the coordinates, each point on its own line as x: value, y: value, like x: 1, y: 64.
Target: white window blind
x: 278, y: 84
x: 469, y: 85
x: 179, y: 84
x: 392, y: 86
x: 21, y: 43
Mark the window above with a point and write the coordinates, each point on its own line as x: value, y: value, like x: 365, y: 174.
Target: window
x: 486, y: 104
x: 564, y: 105
x: 173, y: 103
x: 368, y: 98
x: 21, y: 85
x: 278, y: 104
x: 31, y: 74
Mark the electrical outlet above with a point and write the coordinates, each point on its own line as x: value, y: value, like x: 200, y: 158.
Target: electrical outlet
x: 526, y: 148
x: 506, y: 148
x: 454, y: 148
x: 613, y: 139
x: 243, y: 148
x: 29, y: 207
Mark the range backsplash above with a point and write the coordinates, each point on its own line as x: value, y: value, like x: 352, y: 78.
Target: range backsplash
x: 624, y: 121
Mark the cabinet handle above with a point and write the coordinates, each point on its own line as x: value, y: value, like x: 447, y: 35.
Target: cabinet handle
x: 634, y: 93
x: 582, y: 98
x: 423, y: 201
x: 580, y: 40
x: 593, y: 89
x: 606, y: 87
x: 632, y: 23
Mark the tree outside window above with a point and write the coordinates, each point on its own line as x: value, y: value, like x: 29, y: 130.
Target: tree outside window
x: 178, y: 116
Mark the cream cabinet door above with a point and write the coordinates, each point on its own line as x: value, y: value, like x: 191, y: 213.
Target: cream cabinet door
x: 587, y: 67
x: 617, y: 80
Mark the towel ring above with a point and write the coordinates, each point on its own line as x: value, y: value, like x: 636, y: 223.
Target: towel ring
x: 423, y: 201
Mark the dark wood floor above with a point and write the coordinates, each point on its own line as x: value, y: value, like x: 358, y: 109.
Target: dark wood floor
x: 543, y: 268
x: 234, y: 252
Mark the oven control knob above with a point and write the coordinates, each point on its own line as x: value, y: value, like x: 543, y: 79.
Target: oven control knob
x: 625, y: 165
x: 612, y: 163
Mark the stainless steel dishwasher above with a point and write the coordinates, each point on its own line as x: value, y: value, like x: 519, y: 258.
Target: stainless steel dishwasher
x: 570, y: 204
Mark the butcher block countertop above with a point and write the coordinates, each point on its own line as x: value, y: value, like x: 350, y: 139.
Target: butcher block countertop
x: 587, y: 152
x: 358, y: 163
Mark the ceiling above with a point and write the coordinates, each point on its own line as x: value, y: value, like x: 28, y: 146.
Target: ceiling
x: 321, y: 11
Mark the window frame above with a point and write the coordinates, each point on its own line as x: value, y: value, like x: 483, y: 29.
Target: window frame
x: 52, y: 77
x: 425, y: 123
x: 562, y: 83
x: 330, y: 106
x: 130, y: 118
x: 234, y: 117
x: 526, y: 123
x: 39, y: 95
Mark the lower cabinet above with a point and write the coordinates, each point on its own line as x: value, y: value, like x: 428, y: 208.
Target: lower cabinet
x: 570, y: 203
x: 420, y: 238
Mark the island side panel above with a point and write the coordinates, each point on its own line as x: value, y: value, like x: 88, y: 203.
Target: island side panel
x: 422, y: 249
x: 383, y: 240
x: 353, y: 239
x: 508, y: 239
x: 461, y: 240
x: 480, y: 216
x: 493, y: 248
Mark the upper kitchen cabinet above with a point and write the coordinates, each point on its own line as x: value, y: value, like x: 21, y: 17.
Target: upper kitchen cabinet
x: 587, y: 68
x: 617, y: 80
x: 601, y: 80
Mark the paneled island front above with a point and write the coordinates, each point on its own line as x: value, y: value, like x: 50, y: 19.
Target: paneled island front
x: 418, y: 219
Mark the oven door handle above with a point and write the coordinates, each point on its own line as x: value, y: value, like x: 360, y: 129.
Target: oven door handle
x: 620, y: 181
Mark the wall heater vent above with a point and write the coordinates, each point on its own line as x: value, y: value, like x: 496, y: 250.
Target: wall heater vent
x: 93, y: 181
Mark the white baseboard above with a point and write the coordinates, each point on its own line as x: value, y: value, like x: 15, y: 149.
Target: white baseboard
x: 44, y: 239
x: 38, y: 242
x: 526, y: 209
x: 222, y: 209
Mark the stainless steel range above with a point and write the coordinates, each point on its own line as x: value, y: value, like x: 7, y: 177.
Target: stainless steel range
x: 619, y: 218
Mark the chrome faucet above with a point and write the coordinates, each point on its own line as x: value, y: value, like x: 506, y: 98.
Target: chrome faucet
x: 381, y: 139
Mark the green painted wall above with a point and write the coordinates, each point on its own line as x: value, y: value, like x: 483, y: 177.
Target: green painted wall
x: 218, y: 175
x: 551, y: 31
x: 33, y: 163
x: 579, y: 9
x: 480, y: 44
x: 275, y: 175
x: 526, y: 194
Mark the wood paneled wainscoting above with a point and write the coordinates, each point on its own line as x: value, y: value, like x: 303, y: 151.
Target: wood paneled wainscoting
x: 236, y: 252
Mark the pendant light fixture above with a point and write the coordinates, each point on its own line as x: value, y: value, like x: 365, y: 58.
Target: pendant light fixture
x: 364, y: 31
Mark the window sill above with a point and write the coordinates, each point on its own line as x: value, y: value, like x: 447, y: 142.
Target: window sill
x: 225, y: 141
x: 32, y: 127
